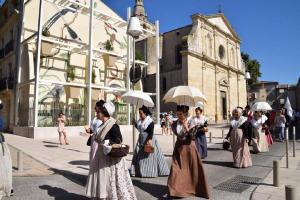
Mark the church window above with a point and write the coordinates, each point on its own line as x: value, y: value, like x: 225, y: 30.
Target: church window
x: 178, y: 57
x: 221, y: 52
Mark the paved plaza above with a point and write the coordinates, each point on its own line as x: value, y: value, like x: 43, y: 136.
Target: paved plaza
x: 52, y: 171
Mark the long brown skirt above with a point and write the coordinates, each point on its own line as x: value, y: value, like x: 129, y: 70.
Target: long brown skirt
x: 187, y: 174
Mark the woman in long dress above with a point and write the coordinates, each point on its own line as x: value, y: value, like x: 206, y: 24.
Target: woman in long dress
x: 5, y: 169
x: 200, y: 121
x: 187, y: 176
x: 147, y: 164
x: 260, y: 143
x: 94, y: 126
x: 108, y: 176
x: 238, y: 133
x: 61, y: 129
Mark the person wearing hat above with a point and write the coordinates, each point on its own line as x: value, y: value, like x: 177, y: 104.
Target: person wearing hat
x: 200, y: 122
x: 108, y: 176
x: 238, y: 134
x: 145, y: 164
x: 260, y: 143
x: 187, y: 177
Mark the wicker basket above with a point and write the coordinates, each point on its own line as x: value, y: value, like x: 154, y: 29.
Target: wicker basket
x: 119, y: 150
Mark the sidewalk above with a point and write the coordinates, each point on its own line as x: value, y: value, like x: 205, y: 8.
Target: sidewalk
x: 288, y: 176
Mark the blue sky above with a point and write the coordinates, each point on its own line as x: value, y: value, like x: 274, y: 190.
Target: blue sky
x: 269, y: 29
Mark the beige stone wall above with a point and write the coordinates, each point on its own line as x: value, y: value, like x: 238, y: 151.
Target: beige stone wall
x: 209, y: 85
x: 233, y: 90
x: 242, y: 91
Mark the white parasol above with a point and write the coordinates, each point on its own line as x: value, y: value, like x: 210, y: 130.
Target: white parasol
x: 261, y: 106
x: 138, y: 98
x: 184, y: 95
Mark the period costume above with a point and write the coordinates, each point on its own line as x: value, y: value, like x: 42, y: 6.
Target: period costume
x: 201, y: 143
x: 94, y: 126
x: 187, y: 176
x: 260, y: 143
x: 148, y: 164
x: 108, y: 176
x: 5, y: 169
x: 238, y: 133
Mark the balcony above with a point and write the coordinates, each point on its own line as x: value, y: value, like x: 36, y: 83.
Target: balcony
x: 9, y: 47
x: 6, y: 83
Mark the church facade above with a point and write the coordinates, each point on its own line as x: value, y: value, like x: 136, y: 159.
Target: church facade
x: 205, y: 54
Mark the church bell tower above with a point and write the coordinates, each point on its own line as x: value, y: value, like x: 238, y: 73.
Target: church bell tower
x: 139, y: 10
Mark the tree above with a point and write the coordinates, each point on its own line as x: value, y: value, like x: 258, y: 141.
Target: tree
x: 253, y: 67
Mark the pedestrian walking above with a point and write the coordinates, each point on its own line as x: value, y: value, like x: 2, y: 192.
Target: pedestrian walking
x: 267, y: 128
x: 280, y: 122
x: 169, y: 122
x: 147, y: 164
x: 163, y: 124
x: 260, y: 143
x: 92, y: 130
x: 108, y: 176
x: 187, y: 177
x: 200, y: 122
x: 61, y: 129
x: 238, y: 134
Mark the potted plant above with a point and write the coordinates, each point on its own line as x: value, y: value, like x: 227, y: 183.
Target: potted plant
x: 70, y: 72
x: 109, y: 46
x: 139, y: 55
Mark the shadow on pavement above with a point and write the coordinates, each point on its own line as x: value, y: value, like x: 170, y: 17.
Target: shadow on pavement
x: 156, y: 190
x: 219, y: 163
x: 79, y: 162
x: 61, y: 194
x: 50, y: 142
x: 75, y: 178
x: 50, y: 146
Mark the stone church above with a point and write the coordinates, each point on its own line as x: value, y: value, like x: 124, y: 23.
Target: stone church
x: 205, y: 54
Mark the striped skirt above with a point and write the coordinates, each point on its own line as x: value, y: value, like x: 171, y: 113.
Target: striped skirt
x: 148, y: 164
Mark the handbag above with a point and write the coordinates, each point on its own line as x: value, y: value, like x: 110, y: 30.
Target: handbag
x: 148, y: 148
x: 89, y: 141
x: 226, y: 144
x: 119, y: 150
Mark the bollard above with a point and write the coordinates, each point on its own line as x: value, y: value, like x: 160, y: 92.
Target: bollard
x: 287, y: 146
x: 294, y: 141
x: 20, y: 161
x: 290, y: 192
x: 222, y: 133
x: 210, y: 137
x: 276, y: 173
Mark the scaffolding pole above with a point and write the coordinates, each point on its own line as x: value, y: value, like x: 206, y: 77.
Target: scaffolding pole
x: 37, y: 63
x: 90, y: 63
x: 157, y: 72
x: 128, y: 66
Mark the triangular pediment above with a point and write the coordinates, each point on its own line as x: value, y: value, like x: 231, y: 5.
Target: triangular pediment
x: 222, y: 23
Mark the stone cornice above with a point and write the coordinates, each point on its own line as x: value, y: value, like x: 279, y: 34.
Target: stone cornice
x: 211, y: 61
x: 203, y: 18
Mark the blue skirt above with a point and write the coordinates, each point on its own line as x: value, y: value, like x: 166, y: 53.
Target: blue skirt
x: 148, y: 164
x: 201, y: 144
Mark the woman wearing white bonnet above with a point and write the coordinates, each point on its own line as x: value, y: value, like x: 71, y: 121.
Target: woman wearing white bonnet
x: 108, y: 177
x: 238, y: 134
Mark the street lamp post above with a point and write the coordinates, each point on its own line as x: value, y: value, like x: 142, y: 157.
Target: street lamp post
x: 134, y: 30
x: 247, y: 77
